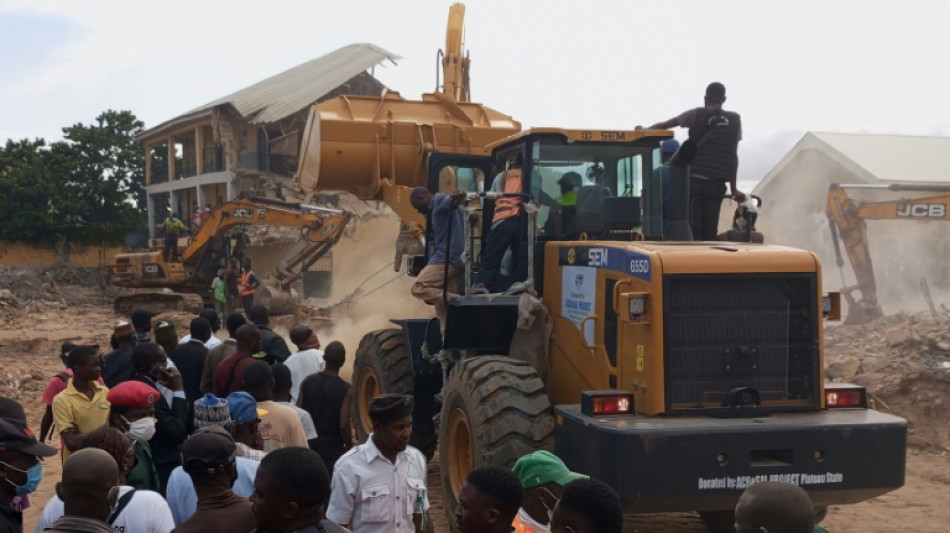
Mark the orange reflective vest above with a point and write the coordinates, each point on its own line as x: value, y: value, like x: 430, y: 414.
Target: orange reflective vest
x: 246, y: 288
x: 521, y: 527
x: 509, y: 206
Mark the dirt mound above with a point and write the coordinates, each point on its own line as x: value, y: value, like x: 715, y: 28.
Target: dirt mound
x: 904, y: 361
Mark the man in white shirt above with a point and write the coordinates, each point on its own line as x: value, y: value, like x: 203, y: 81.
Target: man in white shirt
x: 212, y: 317
x: 380, y: 485
x: 308, y: 360
x: 282, y: 396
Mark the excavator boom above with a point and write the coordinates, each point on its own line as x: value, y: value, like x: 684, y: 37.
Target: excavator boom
x: 846, y: 218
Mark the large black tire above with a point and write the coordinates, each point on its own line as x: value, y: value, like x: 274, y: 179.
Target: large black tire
x: 495, y: 410
x: 384, y: 364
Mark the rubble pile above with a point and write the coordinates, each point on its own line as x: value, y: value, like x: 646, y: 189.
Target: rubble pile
x: 904, y: 361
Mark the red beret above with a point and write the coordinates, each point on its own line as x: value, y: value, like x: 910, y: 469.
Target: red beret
x: 132, y: 394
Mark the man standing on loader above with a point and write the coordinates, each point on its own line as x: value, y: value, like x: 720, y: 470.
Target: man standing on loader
x: 506, y: 232
x: 715, y: 133
x: 173, y: 229
x: 437, y: 283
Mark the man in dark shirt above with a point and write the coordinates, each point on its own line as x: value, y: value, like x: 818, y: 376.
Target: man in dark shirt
x: 229, y: 375
x: 291, y: 491
x: 272, y: 344
x: 208, y: 458
x: 716, y: 134
x: 189, y: 358
x: 328, y: 399
x: 117, y: 364
x: 437, y: 283
x: 172, y: 424
x: 142, y: 322
x: 20, y: 470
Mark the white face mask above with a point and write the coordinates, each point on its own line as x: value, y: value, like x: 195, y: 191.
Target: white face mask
x: 142, y: 429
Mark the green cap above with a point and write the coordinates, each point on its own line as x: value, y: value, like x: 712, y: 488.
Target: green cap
x: 542, y: 467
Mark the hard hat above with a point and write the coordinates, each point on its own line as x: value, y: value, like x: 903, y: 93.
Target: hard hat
x: 669, y: 146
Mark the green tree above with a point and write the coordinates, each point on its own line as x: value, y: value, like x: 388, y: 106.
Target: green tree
x: 26, y: 188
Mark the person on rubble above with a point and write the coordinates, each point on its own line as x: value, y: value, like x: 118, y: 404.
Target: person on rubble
x: 715, y: 134
x: 506, y: 233
x: 438, y: 282
x: 173, y: 229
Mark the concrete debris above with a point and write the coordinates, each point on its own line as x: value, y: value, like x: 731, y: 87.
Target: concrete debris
x: 845, y: 369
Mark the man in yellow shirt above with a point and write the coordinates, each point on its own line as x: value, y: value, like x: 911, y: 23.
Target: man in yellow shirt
x: 82, y: 406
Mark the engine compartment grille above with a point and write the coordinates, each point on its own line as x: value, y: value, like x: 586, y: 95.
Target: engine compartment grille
x: 729, y: 332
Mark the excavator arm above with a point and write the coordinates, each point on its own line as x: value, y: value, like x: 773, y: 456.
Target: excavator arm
x: 846, y: 218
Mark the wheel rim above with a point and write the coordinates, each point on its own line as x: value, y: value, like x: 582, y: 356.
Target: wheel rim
x: 369, y: 389
x: 461, y: 460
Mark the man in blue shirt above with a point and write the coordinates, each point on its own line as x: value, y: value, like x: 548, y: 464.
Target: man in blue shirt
x: 437, y: 283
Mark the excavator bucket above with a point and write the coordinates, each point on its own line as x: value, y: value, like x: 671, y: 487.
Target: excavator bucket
x: 278, y: 300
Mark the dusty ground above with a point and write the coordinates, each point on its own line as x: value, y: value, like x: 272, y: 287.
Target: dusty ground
x: 900, y: 359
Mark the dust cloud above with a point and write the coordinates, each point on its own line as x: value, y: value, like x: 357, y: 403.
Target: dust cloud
x: 903, y: 252
x: 366, y: 292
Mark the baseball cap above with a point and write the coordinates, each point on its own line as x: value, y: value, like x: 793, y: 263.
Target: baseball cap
x: 669, y: 146
x: 243, y: 407
x: 132, y: 394
x: 16, y: 436
x: 209, y: 448
x: 542, y: 467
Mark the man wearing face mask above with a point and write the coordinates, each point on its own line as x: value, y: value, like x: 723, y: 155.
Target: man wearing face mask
x: 542, y: 475
x: 133, y: 413
x: 20, y: 470
x: 89, y: 490
x: 172, y: 424
x: 448, y: 229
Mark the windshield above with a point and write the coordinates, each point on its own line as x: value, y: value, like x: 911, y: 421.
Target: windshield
x: 570, y: 182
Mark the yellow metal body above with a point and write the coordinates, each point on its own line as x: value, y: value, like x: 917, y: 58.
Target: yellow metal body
x: 579, y: 361
x: 847, y: 218
x: 320, y: 229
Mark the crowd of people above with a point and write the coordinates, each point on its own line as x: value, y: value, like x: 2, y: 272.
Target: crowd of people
x: 198, y: 434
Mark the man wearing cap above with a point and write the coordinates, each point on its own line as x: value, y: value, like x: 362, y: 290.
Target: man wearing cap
x: 542, y: 475
x: 20, y: 470
x: 208, y: 458
x: 82, y: 406
x: 716, y: 134
x: 438, y: 282
x: 380, y: 485
x: 117, y: 364
x: 182, y: 499
x: 246, y: 421
x: 132, y: 412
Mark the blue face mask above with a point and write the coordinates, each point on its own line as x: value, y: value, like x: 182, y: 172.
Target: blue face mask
x: 33, y: 477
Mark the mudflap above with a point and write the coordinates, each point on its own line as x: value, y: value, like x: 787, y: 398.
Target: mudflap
x: 703, y: 464
x: 422, y: 337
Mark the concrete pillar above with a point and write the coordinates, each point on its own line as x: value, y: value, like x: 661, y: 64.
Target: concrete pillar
x: 150, y: 209
x: 201, y: 196
x: 148, y: 165
x: 173, y: 202
x: 200, y: 151
x: 171, y: 160
x: 230, y: 189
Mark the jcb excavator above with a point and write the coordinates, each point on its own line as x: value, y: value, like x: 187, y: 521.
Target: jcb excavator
x: 847, y: 217
x: 678, y: 372
x: 190, y: 278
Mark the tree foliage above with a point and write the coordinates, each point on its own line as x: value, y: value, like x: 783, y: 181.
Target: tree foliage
x: 88, y: 188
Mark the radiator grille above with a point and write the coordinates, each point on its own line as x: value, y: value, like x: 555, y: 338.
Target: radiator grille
x: 723, y: 332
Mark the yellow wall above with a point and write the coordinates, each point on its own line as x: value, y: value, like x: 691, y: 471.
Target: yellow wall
x: 33, y: 255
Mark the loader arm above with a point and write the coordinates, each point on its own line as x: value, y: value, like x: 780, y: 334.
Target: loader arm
x: 846, y: 218
x: 455, y: 80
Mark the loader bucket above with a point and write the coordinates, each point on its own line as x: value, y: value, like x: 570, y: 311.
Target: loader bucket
x: 278, y: 300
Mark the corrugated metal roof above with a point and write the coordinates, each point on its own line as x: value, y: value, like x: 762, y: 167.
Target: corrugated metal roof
x: 877, y: 158
x: 286, y: 93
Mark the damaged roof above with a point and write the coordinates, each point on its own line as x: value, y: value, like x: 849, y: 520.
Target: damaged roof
x: 875, y: 158
x: 286, y: 93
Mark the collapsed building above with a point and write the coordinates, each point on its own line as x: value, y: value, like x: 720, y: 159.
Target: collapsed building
x: 903, y: 251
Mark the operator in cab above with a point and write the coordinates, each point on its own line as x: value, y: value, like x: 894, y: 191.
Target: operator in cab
x: 715, y: 133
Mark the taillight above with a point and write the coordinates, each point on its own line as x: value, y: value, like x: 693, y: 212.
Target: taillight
x: 610, y: 402
x: 846, y: 397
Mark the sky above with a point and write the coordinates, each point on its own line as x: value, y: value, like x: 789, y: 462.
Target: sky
x: 789, y: 66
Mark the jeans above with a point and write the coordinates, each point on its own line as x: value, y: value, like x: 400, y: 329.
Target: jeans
x: 705, y: 201
x: 507, y: 234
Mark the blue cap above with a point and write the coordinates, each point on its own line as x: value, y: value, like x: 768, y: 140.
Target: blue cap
x: 669, y: 146
x: 243, y: 407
